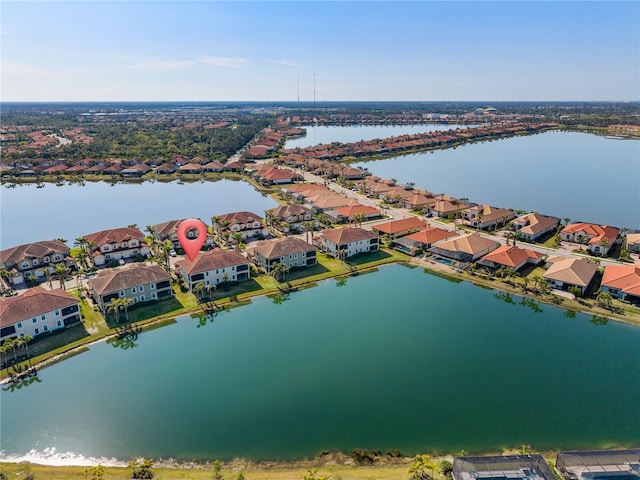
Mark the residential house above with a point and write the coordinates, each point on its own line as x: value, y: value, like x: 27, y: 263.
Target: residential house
x: 137, y: 281
x: 599, y: 238
x: 351, y: 240
x: 276, y: 176
x: 532, y: 226
x: 248, y: 224
x: 117, y: 243
x: 135, y: 171
x: 420, y: 241
x: 289, y: 251
x: 348, y: 214
x: 213, y: 167
x: 302, y: 190
x: 510, y: 256
x: 484, y: 216
x: 37, y: 311
x: 566, y: 272
x: 465, y: 248
x: 622, y: 281
x: 166, y: 169
x: 213, y: 268
x: 446, y: 206
x: 633, y: 242
x: 399, y: 228
x: 235, y: 166
x: 329, y: 201
x: 190, y: 168
x: 288, y: 217
x: 169, y: 231
x: 28, y: 259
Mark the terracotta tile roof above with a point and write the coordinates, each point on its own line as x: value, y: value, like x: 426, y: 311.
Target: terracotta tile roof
x: 431, y: 235
x: 212, y: 260
x: 285, y: 211
x: 347, y: 235
x: 190, y: 167
x: 597, y: 231
x: 32, y: 303
x: 512, y: 256
x: 113, y: 280
x: 622, y: 277
x: 471, y: 243
x: 115, y: 235
x: 42, y: 249
x: 574, y: 271
x: 396, y: 226
x: 352, y: 210
x: 633, y: 239
x: 241, y: 217
x: 280, y: 247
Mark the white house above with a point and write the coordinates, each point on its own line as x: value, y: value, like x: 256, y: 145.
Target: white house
x: 351, y: 240
x: 117, y: 243
x: 214, y: 267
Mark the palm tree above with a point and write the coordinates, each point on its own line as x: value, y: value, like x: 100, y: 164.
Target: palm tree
x: 309, y: 227
x: 279, y: 270
x: 197, y: 290
x: 237, y: 240
x: 604, y: 243
x: 23, y: 342
x: 46, y: 271
x: 359, y: 218
x: 61, y: 271
x: 581, y: 239
x: 604, y: 299
x: 125, y: 302
x: 11, y: 344
x: 114, y: 306
x: 6, y: 275
x: 566, y: 221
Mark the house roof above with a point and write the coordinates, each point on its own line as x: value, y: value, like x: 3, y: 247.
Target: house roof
x: 332, y: 201
x: 113, y: 280
x: 471, y: 243
x: 397, y: 226
x: 347, y: 235
x: 115, y: 235
x: 212, y: 260
x: 190, y: 167
x: 285, y: 211
x: 535, y: 223
x: 431, y: 235
x: 32, y: 303
x: 241, y: 217
x: 622, y: 277
x: 352, y: 210
x: 511, y: 256
x: 633, y: 238
x: 598, y: 232
x: 280, y: 247
x: 490, y: 214
x: 304, y: 187
x: 32, y: 250
x: 574, y: 271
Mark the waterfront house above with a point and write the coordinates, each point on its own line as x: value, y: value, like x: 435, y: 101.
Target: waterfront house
x: 532, y: 226
x: 235, y: 167
x: 286, y: 218
x: 166, y: 169
x: 446, y: 206
x: 135, y: 171
x: 169, y: 231
x: 599, y: 464
x: 289, y: 251
x: 26, y: 260
x: 510, y: 256
x: 213, y: 267
x: 484, y: 216
x: 117, y: 243
x: 599, y: 238
x: 37, y: 311
x: 622, y: 281
x: 347, y: 214
x: 420, y: 241
x: 137, y: 281
x: 465, y: 248
x: 566, y: 272
x: 508, y: 467
x: 350, y: 240
x: 190, y: 168
x: 213, y: 167
x: 247, y: 223
x: 633, y: 242
x: 399, y: 228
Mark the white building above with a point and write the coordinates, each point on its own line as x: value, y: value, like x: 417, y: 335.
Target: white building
x: 214, y: 267
x: 351, y: 240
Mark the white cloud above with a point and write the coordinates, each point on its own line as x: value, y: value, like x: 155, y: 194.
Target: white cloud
x: 156, y: 65
x: 17, y: 69
x: 286, y: 62
x: 226, y: 62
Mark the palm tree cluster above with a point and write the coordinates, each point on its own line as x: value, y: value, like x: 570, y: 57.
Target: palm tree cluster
x: 14, y: 345
x: 420, y: 466
x: 117, y: 304
x: 159, y: 250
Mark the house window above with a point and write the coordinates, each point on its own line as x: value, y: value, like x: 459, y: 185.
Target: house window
x: 36, y: 331
x: 142, y: 298
x: 46, y: 259
x: 153, y: 295
x: 124, y: 244
x: 57, y: 258
x: 107, y: 256
x: 121, y: 293
x: 34, y: 320
x: 142, y: 288
x: 25, y: 265
x: 59, y: 323
x: 135, y: 299
x: 206, y: 274
x: 153, y: 285
x: 133, y: 289
x: 57, y: 312
x: 42, y: 317
x: 19, y: 325
x: 45, y: 328
x: 35, y: 261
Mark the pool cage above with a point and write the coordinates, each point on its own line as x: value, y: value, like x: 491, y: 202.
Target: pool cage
x: 503, y: 467
x: 599, y: 465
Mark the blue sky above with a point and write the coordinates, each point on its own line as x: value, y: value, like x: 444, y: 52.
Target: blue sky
x: 162, y: 50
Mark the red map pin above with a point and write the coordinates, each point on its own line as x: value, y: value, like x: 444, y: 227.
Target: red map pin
x: 192, y: 246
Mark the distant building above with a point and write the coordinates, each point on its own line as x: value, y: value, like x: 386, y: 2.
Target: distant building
x: 502, y: 467
x: 599, y: 465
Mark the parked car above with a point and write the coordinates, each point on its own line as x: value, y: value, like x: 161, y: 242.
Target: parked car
x: 172, y: 252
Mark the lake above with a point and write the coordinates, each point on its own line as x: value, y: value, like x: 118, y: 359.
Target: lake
x: 31, y: 214
x: 565, y: 174
x: 354, y: 133
x: 394, y: 359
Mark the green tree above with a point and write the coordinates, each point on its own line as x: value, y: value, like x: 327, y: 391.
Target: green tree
x: 46, y: 271
x: 604, y: 299
x: 61, y: 271
x: 114, y: 307
x: 309, y: 226
x: 581, y: 239
x: 141, y: 468
x: 279, y: 271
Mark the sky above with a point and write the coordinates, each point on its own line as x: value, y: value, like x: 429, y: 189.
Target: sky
x: 357, y: 51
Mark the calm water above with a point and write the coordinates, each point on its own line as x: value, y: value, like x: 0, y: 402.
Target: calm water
x: 355, y: 133
x: 30, y: 214
x: 565, y: 174
x: 390, y: 360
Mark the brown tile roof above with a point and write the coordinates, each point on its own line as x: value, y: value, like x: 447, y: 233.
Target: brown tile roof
x: 32, y: 250
x: 431, y: 235
x: 280, y: 247
x: 331, y: 201
x: 240, y: 217
x: 396, y: 226
x: 535, y: 223
x: 285, y: 211
x: 32, y: 303
x: 574, y: 271
x: 633, y: 238
x: 305, y: 187
x: 471, y: 243
x: 212, y: 260
x: 512, y: 256
x: 115, y: 279
x: 622, y: 277
x: 190, y: 167
x: 347, y: 235
x: 115, y: 235
x: 490, y: 214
